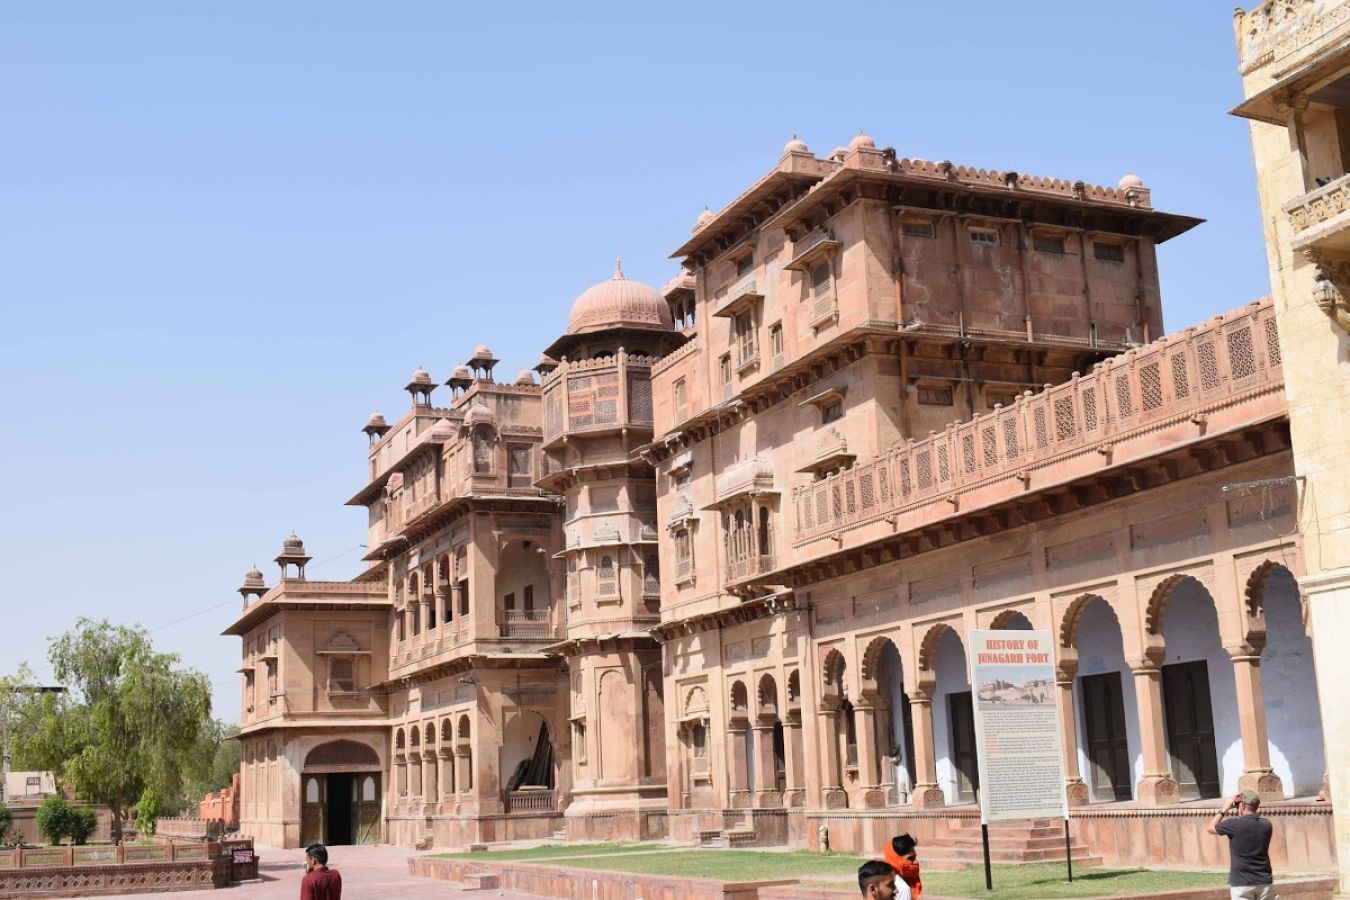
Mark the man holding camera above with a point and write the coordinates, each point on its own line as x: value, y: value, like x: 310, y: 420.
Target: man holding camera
x: 1249, y: 875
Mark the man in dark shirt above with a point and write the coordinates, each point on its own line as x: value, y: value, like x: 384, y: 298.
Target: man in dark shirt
x: 1249, y: 875
x: 320, y: 882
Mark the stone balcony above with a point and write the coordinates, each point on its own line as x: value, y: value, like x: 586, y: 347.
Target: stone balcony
x: 596, y: 395
x: 1217, y: 378
x: 526, y: 624
x: 1320, y: 220
x: 1275, y: 31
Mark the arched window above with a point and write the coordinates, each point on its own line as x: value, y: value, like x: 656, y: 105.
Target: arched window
x: 482, y: 450
x: 765, y: 535
x: 651, y: 575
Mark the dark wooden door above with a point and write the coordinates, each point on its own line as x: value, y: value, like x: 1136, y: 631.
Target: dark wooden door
x: 313, y: 798
x: 1190, y: 729
x: 367, y: 812
x: 964, y: 754
x: 1108, y: 751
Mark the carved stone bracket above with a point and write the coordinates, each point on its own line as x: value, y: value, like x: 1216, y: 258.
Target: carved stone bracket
x: 1333, y: 278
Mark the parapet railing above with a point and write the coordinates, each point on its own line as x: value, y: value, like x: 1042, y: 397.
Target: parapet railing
x: 532, y: 801
x: 1175, y: 378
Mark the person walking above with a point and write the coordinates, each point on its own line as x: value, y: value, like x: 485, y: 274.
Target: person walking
x: 1248, y: 833
x: 320, y: 882
x: 902, y: 855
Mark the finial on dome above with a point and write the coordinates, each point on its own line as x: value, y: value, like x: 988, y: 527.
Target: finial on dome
x: 796, y: 145
x: 618, y: 268
x: 862, y: 141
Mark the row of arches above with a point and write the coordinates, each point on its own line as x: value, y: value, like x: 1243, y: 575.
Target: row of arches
x: 429, y: 769
x: 1233, y: 713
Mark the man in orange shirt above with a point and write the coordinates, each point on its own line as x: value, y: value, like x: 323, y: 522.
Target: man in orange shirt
x: 320, y: 882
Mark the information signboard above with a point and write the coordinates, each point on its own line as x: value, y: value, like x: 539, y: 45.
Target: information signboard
x: 1021, y: 759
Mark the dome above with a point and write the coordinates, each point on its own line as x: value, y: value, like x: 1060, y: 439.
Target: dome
x: 1128, y: 181
x: 421, y: 376
x: 442, y: 430
x: 796, y: 145
x: 703, y: 218
x: 524, y: 376
x: 482, y: 352
x: 253, y: 578
x: 376, y: 421
x: 838, y: 153
x: 862, y: 142
x: 479, y: 414
x: 619, y: 303
x: 292, y: 542
x: 461, y: 372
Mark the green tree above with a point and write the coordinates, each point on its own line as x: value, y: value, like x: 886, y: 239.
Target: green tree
x: 148, y: 812
x: 6, y: 820
x: 209, y: 767
x: 83, y: 822
x: 53, y: 819
x: 129, y: 720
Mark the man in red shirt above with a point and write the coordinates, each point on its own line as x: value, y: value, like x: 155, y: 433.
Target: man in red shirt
x: 320, y: 882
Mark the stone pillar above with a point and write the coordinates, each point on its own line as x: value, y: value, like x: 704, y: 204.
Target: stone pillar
x: 1257, y: 775
x: 793, y: 752
x: 927, y: 794
x: 463, y: 774
x: 446, y: 775
x: 430, y: 792
x: 400, y: 776
x: 766, y: 781
x: 415, y: 773
x: 738, y: 779
x: 442, y: 608
x: 868, y: 773
x: 832, y: 792
x: 1074, y: 788
x: 1157, y: 787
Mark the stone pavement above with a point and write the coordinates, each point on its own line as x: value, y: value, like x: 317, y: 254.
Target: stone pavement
x: 368, y: 873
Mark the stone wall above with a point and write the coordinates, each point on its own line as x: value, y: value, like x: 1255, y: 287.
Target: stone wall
x: 106, y: 869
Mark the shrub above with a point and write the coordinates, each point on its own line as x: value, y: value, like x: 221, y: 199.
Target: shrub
x: 6, y: 820
x: 83, y: 822
x: 53, y: 819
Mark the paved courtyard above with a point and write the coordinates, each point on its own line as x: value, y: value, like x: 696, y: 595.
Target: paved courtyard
x: 367, y: 872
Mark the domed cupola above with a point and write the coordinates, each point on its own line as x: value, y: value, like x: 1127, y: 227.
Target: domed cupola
x: 619, y: 303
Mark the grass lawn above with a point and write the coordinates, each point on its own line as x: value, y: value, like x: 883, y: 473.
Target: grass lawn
x: 1041, y: 881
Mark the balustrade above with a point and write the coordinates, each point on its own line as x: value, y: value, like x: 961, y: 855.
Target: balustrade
x: 531, y: 801
x: 525, y: 623
x: 1174, y: 379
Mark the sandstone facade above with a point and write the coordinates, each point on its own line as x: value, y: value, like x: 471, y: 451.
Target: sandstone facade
x: 710, y: 576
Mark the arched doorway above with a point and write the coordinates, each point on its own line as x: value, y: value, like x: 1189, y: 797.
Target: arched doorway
x: 954, y: 721
x: 340, y: 797
x: 1107, y: 734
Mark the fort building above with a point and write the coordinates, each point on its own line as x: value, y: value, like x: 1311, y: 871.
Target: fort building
x: 710, y: 576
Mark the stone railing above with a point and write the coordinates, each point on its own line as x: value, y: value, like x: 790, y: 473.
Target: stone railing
x: 755, y: 564
x: 189, y: 829
x: 1318, y: 207
x: 525, y: 623
x: 596, y: 394
x: 115, y: 869
x: 1178, y: 378
x: 528, y: 801
x: 1268, y: 32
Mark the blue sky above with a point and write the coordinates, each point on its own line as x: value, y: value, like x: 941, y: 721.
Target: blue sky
x: 228, y: 234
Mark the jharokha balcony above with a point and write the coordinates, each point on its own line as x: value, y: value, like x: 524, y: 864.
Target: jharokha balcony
x: 1198, y: 396
x: 1320, y: 219
x: 590, y: 395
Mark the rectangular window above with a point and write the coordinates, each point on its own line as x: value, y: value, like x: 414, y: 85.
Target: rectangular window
x: 832, y: 412
x: 681, y: 408
x: 776, y: 340
x: 918, y: 229
x: 724, y: 370
x: 1108, y: 252
x: 935, y: 396
x: 529, y: 598
x: 519, y: 465
x: 983, y: 237
x: 510, y: 602
x: 341, y: 675
x: 683, y: 479
x: 579, y: 742
x: 272, y: 680
x: 745, y: 264
x: 1045, y: 243
x: 745, y: 339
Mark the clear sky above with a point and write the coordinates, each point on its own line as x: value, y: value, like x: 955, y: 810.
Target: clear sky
x: 227, y: 235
